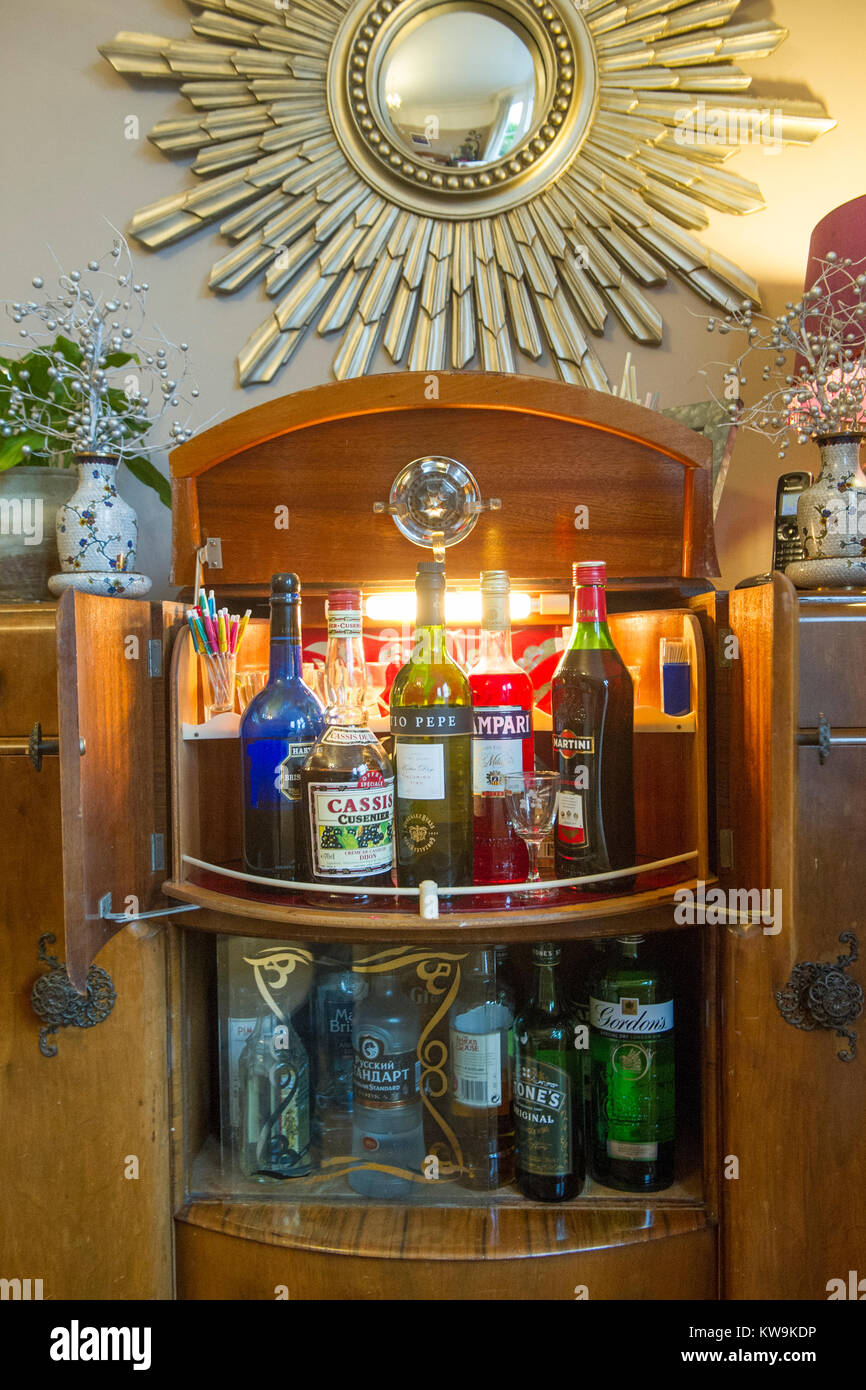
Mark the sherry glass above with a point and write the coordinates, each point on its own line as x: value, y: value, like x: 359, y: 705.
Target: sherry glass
x: 530, y: 802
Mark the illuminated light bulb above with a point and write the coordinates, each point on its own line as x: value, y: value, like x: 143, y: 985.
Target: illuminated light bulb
x: 461, y: 606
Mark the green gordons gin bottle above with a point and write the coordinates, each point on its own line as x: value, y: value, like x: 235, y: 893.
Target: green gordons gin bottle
x: 548, y: 1103
x: 431, y: 720
x: 631, y: 1014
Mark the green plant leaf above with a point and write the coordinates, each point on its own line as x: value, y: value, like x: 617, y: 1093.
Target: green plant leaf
x: 119, y: 359
x: 148, y: 474
x: 12, y: 451
x: 68, y: 349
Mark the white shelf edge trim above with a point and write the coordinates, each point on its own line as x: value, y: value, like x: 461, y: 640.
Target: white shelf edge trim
x: 430, y: 892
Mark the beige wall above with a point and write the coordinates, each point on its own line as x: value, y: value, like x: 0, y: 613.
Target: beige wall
x: 67, y: 166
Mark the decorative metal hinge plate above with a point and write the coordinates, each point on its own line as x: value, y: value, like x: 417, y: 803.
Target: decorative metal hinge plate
x: 56, y: 1000
x: 820, y: 995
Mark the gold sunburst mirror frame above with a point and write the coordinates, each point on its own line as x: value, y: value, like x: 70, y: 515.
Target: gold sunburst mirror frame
x: 570, y: 181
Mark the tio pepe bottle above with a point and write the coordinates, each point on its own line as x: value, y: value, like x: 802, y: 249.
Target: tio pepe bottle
x: 277, y: 733
x: 502, y: 743
x: 631, y: 1012
x: 431, y: 720
x: 592, y: 703
x: 550, y: 1161
x: 347, y: 783
x: 388, y: 1125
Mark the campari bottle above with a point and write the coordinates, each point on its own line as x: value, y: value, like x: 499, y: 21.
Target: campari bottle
x: 277, y: 734
x: 347, y: 783
x: 431, y: 720
x: 593, y: 730
x: 502, y: 742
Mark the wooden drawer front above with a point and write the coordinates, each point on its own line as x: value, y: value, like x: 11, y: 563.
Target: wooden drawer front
x: 28, y: 669
x: 833, y: 666
x: 212, y: 1265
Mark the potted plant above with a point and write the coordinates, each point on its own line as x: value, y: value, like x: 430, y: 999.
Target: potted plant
x: 74, y: 406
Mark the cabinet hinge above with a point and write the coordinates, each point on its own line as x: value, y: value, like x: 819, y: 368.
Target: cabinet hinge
x: 157, y: 852
x: 154, y: 657
x: 726, y: 849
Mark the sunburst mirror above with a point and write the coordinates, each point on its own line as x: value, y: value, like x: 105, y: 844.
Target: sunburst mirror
x: 458, y: 180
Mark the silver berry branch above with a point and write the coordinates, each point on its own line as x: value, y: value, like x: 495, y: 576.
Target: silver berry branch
x: 822, y: 393
x: 114, y: 382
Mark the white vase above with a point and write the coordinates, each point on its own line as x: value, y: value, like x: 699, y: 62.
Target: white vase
x: 97, y: 534
x: 829, y: 512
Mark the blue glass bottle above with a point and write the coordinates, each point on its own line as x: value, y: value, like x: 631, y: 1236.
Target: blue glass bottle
x: 278, y: 731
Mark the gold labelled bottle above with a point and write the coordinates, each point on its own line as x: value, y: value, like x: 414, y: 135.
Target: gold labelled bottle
x: 548, y: 1103
x: 592, y: 702
x: 431, y: 720
x: 502, y: 717
x: 478, y: 1049
x: 631, y: 1012
x: 347, y: 783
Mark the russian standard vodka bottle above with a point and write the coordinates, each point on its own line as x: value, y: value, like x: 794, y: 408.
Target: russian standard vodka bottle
x: 548, y: 1102
x: 388, y: 1126
x: 277, y: 733
x: 480, y: 1091
x: 275, y: 1101
x: 502, y: 741
x: 431, y: 720
x: 632, y: 1071
x: 592, y: 703
x: 347, y: 783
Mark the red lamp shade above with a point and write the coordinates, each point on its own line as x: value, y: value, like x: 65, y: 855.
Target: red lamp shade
x: 842, y: 231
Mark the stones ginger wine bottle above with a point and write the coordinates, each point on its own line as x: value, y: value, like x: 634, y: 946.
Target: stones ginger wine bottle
x: 502, y: 743
x: 277, y: 733
x: 550, y: 1164
x: 593, y: 731
x: 347, y: 783
x: 431, y: 720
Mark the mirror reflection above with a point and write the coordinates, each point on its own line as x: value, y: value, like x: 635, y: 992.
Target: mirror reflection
x: 460, y: 87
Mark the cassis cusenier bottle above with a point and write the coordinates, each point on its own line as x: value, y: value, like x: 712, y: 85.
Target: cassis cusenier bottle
x: 502, y: 742
x: 550, y: 1163
x: 347, y: 783
x: 631, y: 1011
x: 431, y: 720
x: 277, y: 734
x: 592, y: 703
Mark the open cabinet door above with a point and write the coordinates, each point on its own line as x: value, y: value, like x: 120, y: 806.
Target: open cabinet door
x: 794, y: 1152
x: 112, y: 767
x: 84, y: 1110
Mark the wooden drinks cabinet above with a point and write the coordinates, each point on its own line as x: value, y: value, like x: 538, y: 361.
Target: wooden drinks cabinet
x: 118, y: 810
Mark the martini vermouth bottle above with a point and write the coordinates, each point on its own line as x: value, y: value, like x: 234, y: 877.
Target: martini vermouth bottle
x: 593, y: 731
x: 347, y: 783
x: 631, y: 1010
